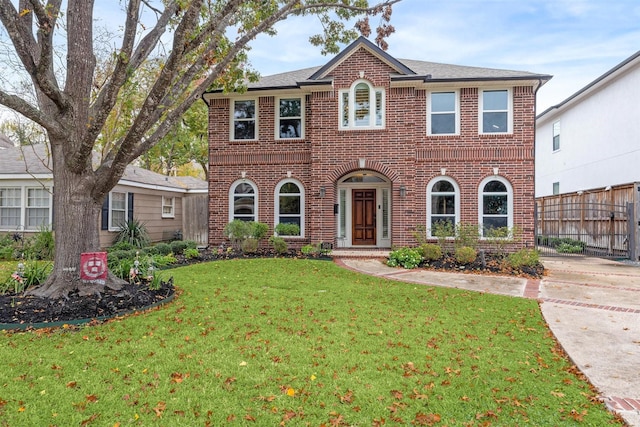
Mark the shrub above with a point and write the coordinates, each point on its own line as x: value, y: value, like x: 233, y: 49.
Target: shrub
x: 287, y: 229
x: 316, y: 249
x: 249, y: 245
x: 524, y: 258
x: 162, y: 249
x: 191, y: 253
x: 443, y: 231
x: 178, y: 246
x: 568, y: 248
x: 279, y: 244
x: 431, y: 252
x: 238, y: 231
x: 467, y: 235
x: 42, y: 245
x: 134, y: 232
x: 405, y: 257
x: 191, y: 244
x: 35, y: 273
x: 120, y: 246
x: 465, y: 255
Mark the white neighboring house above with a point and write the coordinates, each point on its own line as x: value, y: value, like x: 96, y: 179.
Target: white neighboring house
x: 591, y: 140
x: 169, y: 206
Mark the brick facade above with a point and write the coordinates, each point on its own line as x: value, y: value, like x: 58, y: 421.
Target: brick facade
x: 402, y: 153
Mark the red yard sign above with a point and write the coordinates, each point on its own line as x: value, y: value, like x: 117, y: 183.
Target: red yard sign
x: 93, y: 266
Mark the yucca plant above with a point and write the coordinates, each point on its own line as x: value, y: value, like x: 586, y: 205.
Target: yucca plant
x: 133, y: 232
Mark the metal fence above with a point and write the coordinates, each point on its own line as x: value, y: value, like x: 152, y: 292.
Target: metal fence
x: 566, y: 227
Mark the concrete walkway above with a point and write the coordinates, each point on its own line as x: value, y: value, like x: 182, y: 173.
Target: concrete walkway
x: 591, y: 305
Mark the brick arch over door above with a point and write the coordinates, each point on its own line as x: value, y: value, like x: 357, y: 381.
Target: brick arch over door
x: 352, y: 166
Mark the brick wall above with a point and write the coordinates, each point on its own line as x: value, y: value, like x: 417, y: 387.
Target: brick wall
x: 401, y: 151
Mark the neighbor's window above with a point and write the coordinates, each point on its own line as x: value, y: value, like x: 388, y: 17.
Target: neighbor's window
x: 495, y: 204
x: 168, y: 207
x: 289, y: 207
x: 243, y: 202
x: 37, y: 209
x: 117, y: 210
x: 556, y: 136
x: 289, y: 118
x: 442, y: 114
x: 244, y: 119
x: 495, y: 111
x: 556, y: 188
x: 10, y: 206
x: 443, y: 206
x: 362, y: 106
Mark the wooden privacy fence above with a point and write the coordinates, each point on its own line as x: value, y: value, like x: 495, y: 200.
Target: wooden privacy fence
x: 598, y: 223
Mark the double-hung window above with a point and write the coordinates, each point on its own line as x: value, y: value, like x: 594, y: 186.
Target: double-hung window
x: 495, y: 111
x: 362, y: 106
x: 289, y: 207
x: 243, y: 202
x: 443, y: 113
x: 117, y: 210
x: 443, y: 207
x: 244, y: 125
x: 37, y: 209
x: 556, y: 136
x: 168, y: 207
x: 10, y: 207
x: 496, y: 205
x: 289, y: 120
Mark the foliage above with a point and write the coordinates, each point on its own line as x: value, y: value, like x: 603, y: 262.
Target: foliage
x: 238, y: 231
x: 121, y: 246
x: 287, y: 229
x: 465, y: 255
x: 499, y: 238
x: 524, y: 258
x: 6, y: 248
x: 430, y: 252
x: 249, y: 245
x: 27, y: 275
x: 239, y: 338
x: 191, y: 253
x: 279, y: 244
x: 178, y: 246
x: 568, y: 248
x: 133, y: 232
x: 420, y: 234
x: 161, y: 248
x: 315, y: 249
x: 42, y: 245
x: 467, y: 235
x: 406, y: 257
x: 444, y: 231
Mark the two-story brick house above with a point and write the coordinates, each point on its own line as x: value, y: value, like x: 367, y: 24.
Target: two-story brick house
x: 360, y: 151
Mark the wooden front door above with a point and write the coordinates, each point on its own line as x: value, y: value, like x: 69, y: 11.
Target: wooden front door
x: 364, y: 217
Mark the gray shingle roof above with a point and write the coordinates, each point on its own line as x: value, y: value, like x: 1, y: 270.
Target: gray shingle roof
x: 34, y: 159
x: 407, y: 69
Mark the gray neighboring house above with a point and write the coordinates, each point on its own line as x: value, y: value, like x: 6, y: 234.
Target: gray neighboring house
x: 169, y: 206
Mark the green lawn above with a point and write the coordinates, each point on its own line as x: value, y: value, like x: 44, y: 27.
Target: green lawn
x: 297, y: 342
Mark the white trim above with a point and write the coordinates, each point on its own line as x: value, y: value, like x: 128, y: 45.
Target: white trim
x: 351, y: 107
x: 232, y: 188
x: 172, y: 214
x: 24, y: 192
x: 111, y: 226
x: 456, y: 194
x: 276, y: 207
x: 456, y: 94
x: 509, y: 194
x: 509, y: 111
x: 276, y: 127
x: 232, y: 119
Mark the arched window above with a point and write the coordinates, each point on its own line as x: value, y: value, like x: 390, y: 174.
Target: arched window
x: 443, y: 206
x: 243, y: 201
x: 289, y: 204
x: 495, y: 203
x: 362, y: 106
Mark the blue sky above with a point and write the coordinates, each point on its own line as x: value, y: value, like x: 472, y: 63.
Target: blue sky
x: 576, y: 41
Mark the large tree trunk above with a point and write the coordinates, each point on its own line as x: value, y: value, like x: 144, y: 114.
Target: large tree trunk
x: 76, y: 226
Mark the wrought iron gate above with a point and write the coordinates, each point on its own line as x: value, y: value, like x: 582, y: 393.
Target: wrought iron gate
x: 565, y: 228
